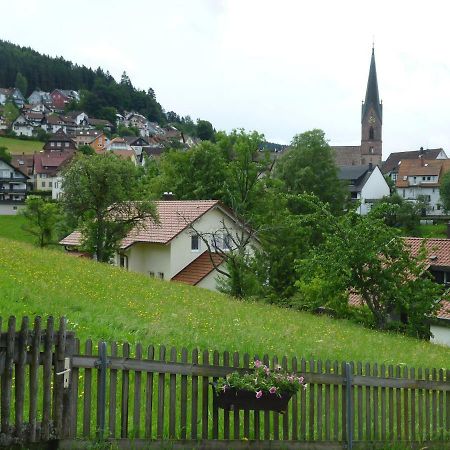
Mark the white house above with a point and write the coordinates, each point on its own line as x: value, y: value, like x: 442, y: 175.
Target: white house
x: 175, y: 249
x: 13, y: 188
x: 420, y: 179
x: 366, y: 184
x: 22, y: 126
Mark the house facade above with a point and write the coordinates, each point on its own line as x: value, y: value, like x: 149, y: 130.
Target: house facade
x: 366, y: 185
x: 13, y: 188
x: 175, y: 249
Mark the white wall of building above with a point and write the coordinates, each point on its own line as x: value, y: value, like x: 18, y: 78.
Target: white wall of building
x: 441, y: 334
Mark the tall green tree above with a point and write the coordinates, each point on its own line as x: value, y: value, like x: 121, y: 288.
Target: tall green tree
x: 21, y: 83
x: 309, y: 167
x: 205, y: 130
x: 444, y: 190
x: 41, y: 216
x: 363, y: 256
x: 104, y: 199
x: 5, y: 155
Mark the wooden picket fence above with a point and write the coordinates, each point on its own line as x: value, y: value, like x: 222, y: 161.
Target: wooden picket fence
x: 52, y: 391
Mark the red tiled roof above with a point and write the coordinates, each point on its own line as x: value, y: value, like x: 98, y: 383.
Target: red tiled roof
x: 198, y: 269
x: 437, y: 250
x: 50, y: 162
x: 420, y: 167
x: 174, y: 216
x: 392, y: 162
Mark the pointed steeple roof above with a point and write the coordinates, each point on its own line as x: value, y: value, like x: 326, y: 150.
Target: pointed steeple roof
x: 372, y: 96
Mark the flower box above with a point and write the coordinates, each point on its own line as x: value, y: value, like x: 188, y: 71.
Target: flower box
x: 232, y: 399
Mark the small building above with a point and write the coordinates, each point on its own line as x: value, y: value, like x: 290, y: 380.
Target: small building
x: 13, y: 188
x: 173, y: 248
x: 60, y: 141
x: 94, y: 138
x: 62, y: 97
x: 47, y: 166
x: 366, y: 184
x: 39, y: 97
x: 12, y: 94
x: 22, y: 127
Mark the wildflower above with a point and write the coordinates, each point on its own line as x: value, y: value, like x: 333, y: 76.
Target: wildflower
x: 273, y: 389
x: 258, y: 363
x: 305, y: 386
x: 300, y: 379
x: 225, y: 387
x: 259, y: 394
x: 277, y: 367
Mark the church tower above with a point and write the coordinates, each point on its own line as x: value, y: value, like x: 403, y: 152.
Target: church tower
x: 371, y: 120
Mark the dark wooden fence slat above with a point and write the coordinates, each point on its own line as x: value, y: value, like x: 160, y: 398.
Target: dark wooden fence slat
x: 434, y: 406
x: 376, y: 416
x: 368, y: 406
x: 246, y: 412
x: 59, y: 379
x: 8, y: 376
x: 294, y: 432
x: 124, y: 399
x: 420, y: 398
x: 427, y: 409
x: 336, y: 404
x: 447, y: 402
x: 137, y: 396
x: 87, y: 393
x: 284, y: 364
x: 412, y: 375
x: 149, y: 396
x: 441, y: 407
x: 19, y: 373
x: 303, y: 417
x: 226, y: 413
x: 161, y: 395
x: 184, y: 397
x: 391, y: 405
x: 276, y: 423
x: 47, y: 378
x: 405, y: 407
x: 343, y: 406
x: 74, y: 401
x: 194, y: 411
x: 236, y: 420
x: 215, y: 430
x: 112, y: 394
x: 383, y: 405
x: 205, y: 391
x: 256, y: 415
x: 34, y: 377
x: 398, y: 404
x: 319, y: 387
x: 312, y: 406
x: 172, y: 397
x: 359, y: 408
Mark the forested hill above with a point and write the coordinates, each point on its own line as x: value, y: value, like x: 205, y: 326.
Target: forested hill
x: 103, y: 94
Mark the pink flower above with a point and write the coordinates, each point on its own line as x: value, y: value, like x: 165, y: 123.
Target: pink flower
x: 273, y: 389
x: 258, y: 394
x: 267, y: 370
x: 258, y: 363
x: 224, y: 387
x: 300, y: 379
x: 290, y: 378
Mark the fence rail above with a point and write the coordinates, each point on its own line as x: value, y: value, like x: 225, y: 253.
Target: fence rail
x: 55, y: 388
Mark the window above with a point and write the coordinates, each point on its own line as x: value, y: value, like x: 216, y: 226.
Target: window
x: 371, y: 150
x: 123, y: 261
x: 50, y: 184
x: 404, y: 193
x: 423, y: 178
x: 151, y: 274
x: 226, y: 242
x: 66, y: 144
x: 161, y: 275
x: 371, y: 134
x: 43, y: 184
x: 195, y: 243
x: 52, y: 144
x: 59, y: 144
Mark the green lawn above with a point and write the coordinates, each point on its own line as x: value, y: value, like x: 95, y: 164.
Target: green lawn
x: 11, y: 227
x: 433, y: 231
x: 104, y: 302
x: 18, y: 146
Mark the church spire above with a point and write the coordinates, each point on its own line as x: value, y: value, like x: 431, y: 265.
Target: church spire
x: 372, y: 96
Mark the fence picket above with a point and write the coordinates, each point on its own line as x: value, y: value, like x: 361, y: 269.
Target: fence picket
x: 137, y: 396
x: 434, y: 405
x: 20, y: 377
x: 405, y: 407
x: 149, y: 396
x: 447, y: 401
x: 59, y: 379
x: 359, y: 392
x: 368, y: 406
x: 246, y: 412
x: 427, y: 408
x: 344, y: 405
x: 376, y: 417
x: 75, y: 373
x: 124, y: 400
x: 383, y: 404
x: 336, y: 404
x: 161, y: 395
x: 441, y: 407
x: 236, y: 420
x: 275, y: 415
x: 194, y: 411
x: 319, y: 403
x: 205, y: 390
x: 312, y: 405
x: 8, y: 376
x: 34, y: 377
x: 183, y: 399
x: 47, y: 377
x: 112, y: 394
x: 412, y: 375
x: 284, y: 364
x: 391, y: 405
x: 172, y: 396
x: 87, y: 393
x: 294, y: 433
x: 420, y: 398
x: 226, y: 413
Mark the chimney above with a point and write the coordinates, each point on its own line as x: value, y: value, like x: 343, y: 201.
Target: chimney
x: 370, y: 167
x: 421, y: 152
x: 168, y: 196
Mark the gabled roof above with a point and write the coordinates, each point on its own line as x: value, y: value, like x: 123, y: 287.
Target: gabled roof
x: 421, y: 167
x: 198, y: 269
x: 132, y: 139
x: 15, y: 168
x: 392, y: 162
x: 51, y: 162
x: 437, y: 250
x: 355, y: 175
x: 346, y: 155
x: 174, y: 217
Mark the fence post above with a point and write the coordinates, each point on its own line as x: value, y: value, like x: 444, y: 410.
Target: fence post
x: 101, y: 364
x: 348, y: 393
x: 68, y: 399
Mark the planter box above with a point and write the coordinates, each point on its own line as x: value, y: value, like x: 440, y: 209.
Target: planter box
x: 233, y: 399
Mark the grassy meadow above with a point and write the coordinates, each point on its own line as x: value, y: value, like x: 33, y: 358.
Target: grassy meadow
x: 104, y: 302
x: 11, y: 227
x: 19, y: 146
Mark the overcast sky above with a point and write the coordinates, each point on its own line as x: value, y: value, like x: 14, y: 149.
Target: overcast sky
x: 278, y: 67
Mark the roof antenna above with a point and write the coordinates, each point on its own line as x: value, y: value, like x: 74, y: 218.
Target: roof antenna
x: 373, y: 44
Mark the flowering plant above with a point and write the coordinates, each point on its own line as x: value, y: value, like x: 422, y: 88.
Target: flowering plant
x: 262, y: 381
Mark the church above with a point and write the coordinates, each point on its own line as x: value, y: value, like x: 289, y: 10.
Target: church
x: 370, y: 150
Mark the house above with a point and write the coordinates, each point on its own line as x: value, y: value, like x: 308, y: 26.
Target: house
x: 13, y: 188
x: 126, y: 154
x: 53, y: 123
x: 95, y: 138
x: 118, y: 143
x: 12, y: 94
x: 136, y: 143
x: 99, y: 124
x: 47, y: 167
x: 391, y: 166
x: 39, y: 97
x: 62, y: 97
x: 365, y: 183
x: 79, y: 117
x: 419, y: 179
x: 173, y: 249
x: 22, y: 127
x: 60, y: 141
x: 24, y: 162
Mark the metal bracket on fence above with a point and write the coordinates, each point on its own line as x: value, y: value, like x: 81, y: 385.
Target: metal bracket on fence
x: 65, y: 372
x: 349, y: 404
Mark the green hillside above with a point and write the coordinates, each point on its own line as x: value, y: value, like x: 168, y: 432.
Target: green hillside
x: 105, y: 302
x: 19, y: 146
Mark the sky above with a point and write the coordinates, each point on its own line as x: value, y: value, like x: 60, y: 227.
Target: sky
x: 280, y: 68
